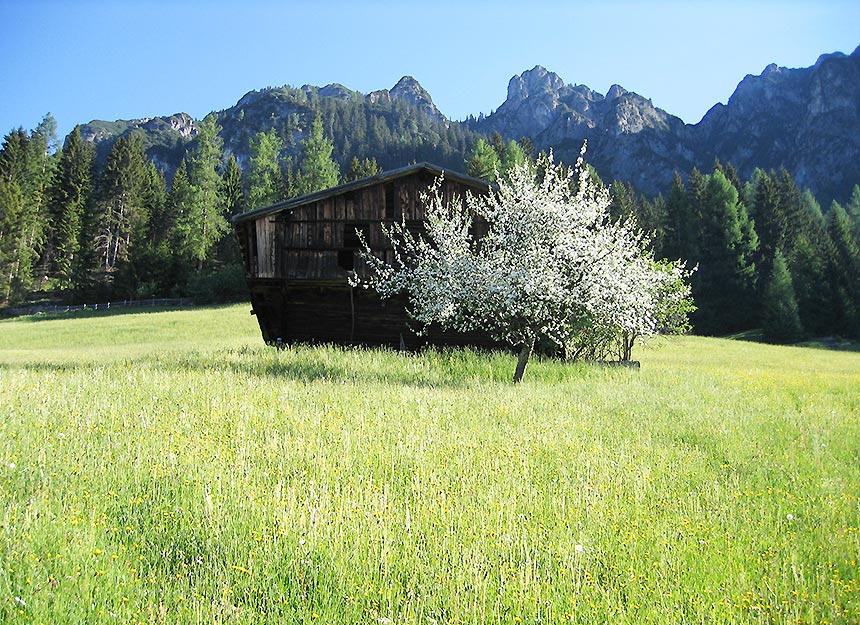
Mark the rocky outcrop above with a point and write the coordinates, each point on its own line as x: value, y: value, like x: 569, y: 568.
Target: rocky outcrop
x: 805, y: 120
x: 629, y: 138
x: 410, y: 91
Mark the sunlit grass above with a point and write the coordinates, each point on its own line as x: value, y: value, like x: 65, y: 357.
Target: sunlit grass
x: 169, y: 468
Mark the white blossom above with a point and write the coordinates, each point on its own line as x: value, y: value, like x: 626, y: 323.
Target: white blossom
x: 552, y: 265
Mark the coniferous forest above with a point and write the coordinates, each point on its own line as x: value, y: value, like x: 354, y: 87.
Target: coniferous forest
x: 79, y: 227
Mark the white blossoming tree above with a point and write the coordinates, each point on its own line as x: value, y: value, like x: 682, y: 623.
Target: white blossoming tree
x: 552, y: 266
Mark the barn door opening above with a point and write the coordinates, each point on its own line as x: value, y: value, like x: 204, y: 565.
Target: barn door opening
x: 351, y: 243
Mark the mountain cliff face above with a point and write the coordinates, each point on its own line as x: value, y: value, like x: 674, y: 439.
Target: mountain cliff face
x: 805, y: 120
x: 394, y: 126
x: 628, y: 137
x: 164, y: 138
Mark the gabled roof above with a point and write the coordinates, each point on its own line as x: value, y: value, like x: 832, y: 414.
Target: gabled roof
x: 370, y: 181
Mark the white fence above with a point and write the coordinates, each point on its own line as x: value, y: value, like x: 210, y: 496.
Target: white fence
x: 137, y: 303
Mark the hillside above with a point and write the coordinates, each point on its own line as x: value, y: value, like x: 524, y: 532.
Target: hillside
x: 395, y: 126
x: 803, y: 119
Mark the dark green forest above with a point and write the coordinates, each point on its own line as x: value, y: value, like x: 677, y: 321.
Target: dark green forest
x: 79, y: 227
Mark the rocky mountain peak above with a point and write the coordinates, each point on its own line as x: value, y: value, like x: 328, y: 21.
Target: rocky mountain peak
x: 802, y: 119
x: 410, y: 90
x: 616, y: 91
x: 335, y: 90
x: 534, y: 82
x: 770, y: 69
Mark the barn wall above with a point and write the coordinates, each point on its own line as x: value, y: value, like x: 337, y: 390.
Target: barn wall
x: 298, y: 262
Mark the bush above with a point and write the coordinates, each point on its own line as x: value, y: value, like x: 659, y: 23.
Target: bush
x: 219, y: 287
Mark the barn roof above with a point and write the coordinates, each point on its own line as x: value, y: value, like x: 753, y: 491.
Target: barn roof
x: 383, y: 177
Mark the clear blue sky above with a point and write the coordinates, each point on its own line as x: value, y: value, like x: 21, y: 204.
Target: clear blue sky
x: 84, y: 60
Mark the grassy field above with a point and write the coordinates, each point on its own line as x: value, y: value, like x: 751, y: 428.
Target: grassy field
x: 169, y: 468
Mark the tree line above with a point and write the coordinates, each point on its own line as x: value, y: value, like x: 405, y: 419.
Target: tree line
x: 766, y: 255
x: 73, y: 230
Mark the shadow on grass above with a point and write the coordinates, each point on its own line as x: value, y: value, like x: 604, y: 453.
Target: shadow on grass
x: 831, y: 343
x: 363, y: 366
x: 429, y: 368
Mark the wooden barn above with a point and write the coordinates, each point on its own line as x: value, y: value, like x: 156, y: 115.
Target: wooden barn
x: 298, y: 255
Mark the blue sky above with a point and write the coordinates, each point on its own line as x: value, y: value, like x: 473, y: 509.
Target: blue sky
x: 84, y: 60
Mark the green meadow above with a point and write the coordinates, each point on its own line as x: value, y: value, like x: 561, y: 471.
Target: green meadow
x: 167, y: 467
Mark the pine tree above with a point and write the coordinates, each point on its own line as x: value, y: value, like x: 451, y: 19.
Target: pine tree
x: 780, y: 320
x: 203, y: 222
x: 483, y: 161
x: 359, y: 169
x: 317, y: 170
x: 72, y: 204
x: 232, y: 188
x: 724, y: 285
x: 121, y: 209
x: 265, y: 185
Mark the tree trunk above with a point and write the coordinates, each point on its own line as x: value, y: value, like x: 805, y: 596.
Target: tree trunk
x: 522, y: 361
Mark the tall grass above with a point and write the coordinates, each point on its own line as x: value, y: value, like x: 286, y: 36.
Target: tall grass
x: 168, y: 468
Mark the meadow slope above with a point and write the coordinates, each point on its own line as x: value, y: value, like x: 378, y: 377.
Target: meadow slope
x: 169, y: 468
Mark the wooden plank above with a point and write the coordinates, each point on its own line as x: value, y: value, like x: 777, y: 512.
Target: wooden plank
x: 265, y: 248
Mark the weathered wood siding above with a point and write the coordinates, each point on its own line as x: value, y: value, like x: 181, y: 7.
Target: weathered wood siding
x: 298, y: 261
x: 304, y: 243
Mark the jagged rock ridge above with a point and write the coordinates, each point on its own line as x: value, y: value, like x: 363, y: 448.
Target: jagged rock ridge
x: 803, y: 119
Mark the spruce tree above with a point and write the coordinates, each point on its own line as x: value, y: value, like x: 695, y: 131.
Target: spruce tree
x: 845, y: 269
x: 852, y: 210
x: 203, y: 222
x: 72, y: 204
x: 483, y: 162
x: 149, y: 271
x: 623, y: 204
x: 120, y: 200
x: 232, y: 187
x: 678, y: 239
x: 513, y: 156
x: 179, y: 203
x: 724, y: 285
x: 770, y: 218
x: 12, y: 252
x: 365, y: 168
x: 317, y: 170
x: 809, y: 271
x: 265, y: 185
x: 26, y: 167
x: 780, y: 320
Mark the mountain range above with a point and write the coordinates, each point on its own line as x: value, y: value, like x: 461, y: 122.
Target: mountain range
x: 805, y: 120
